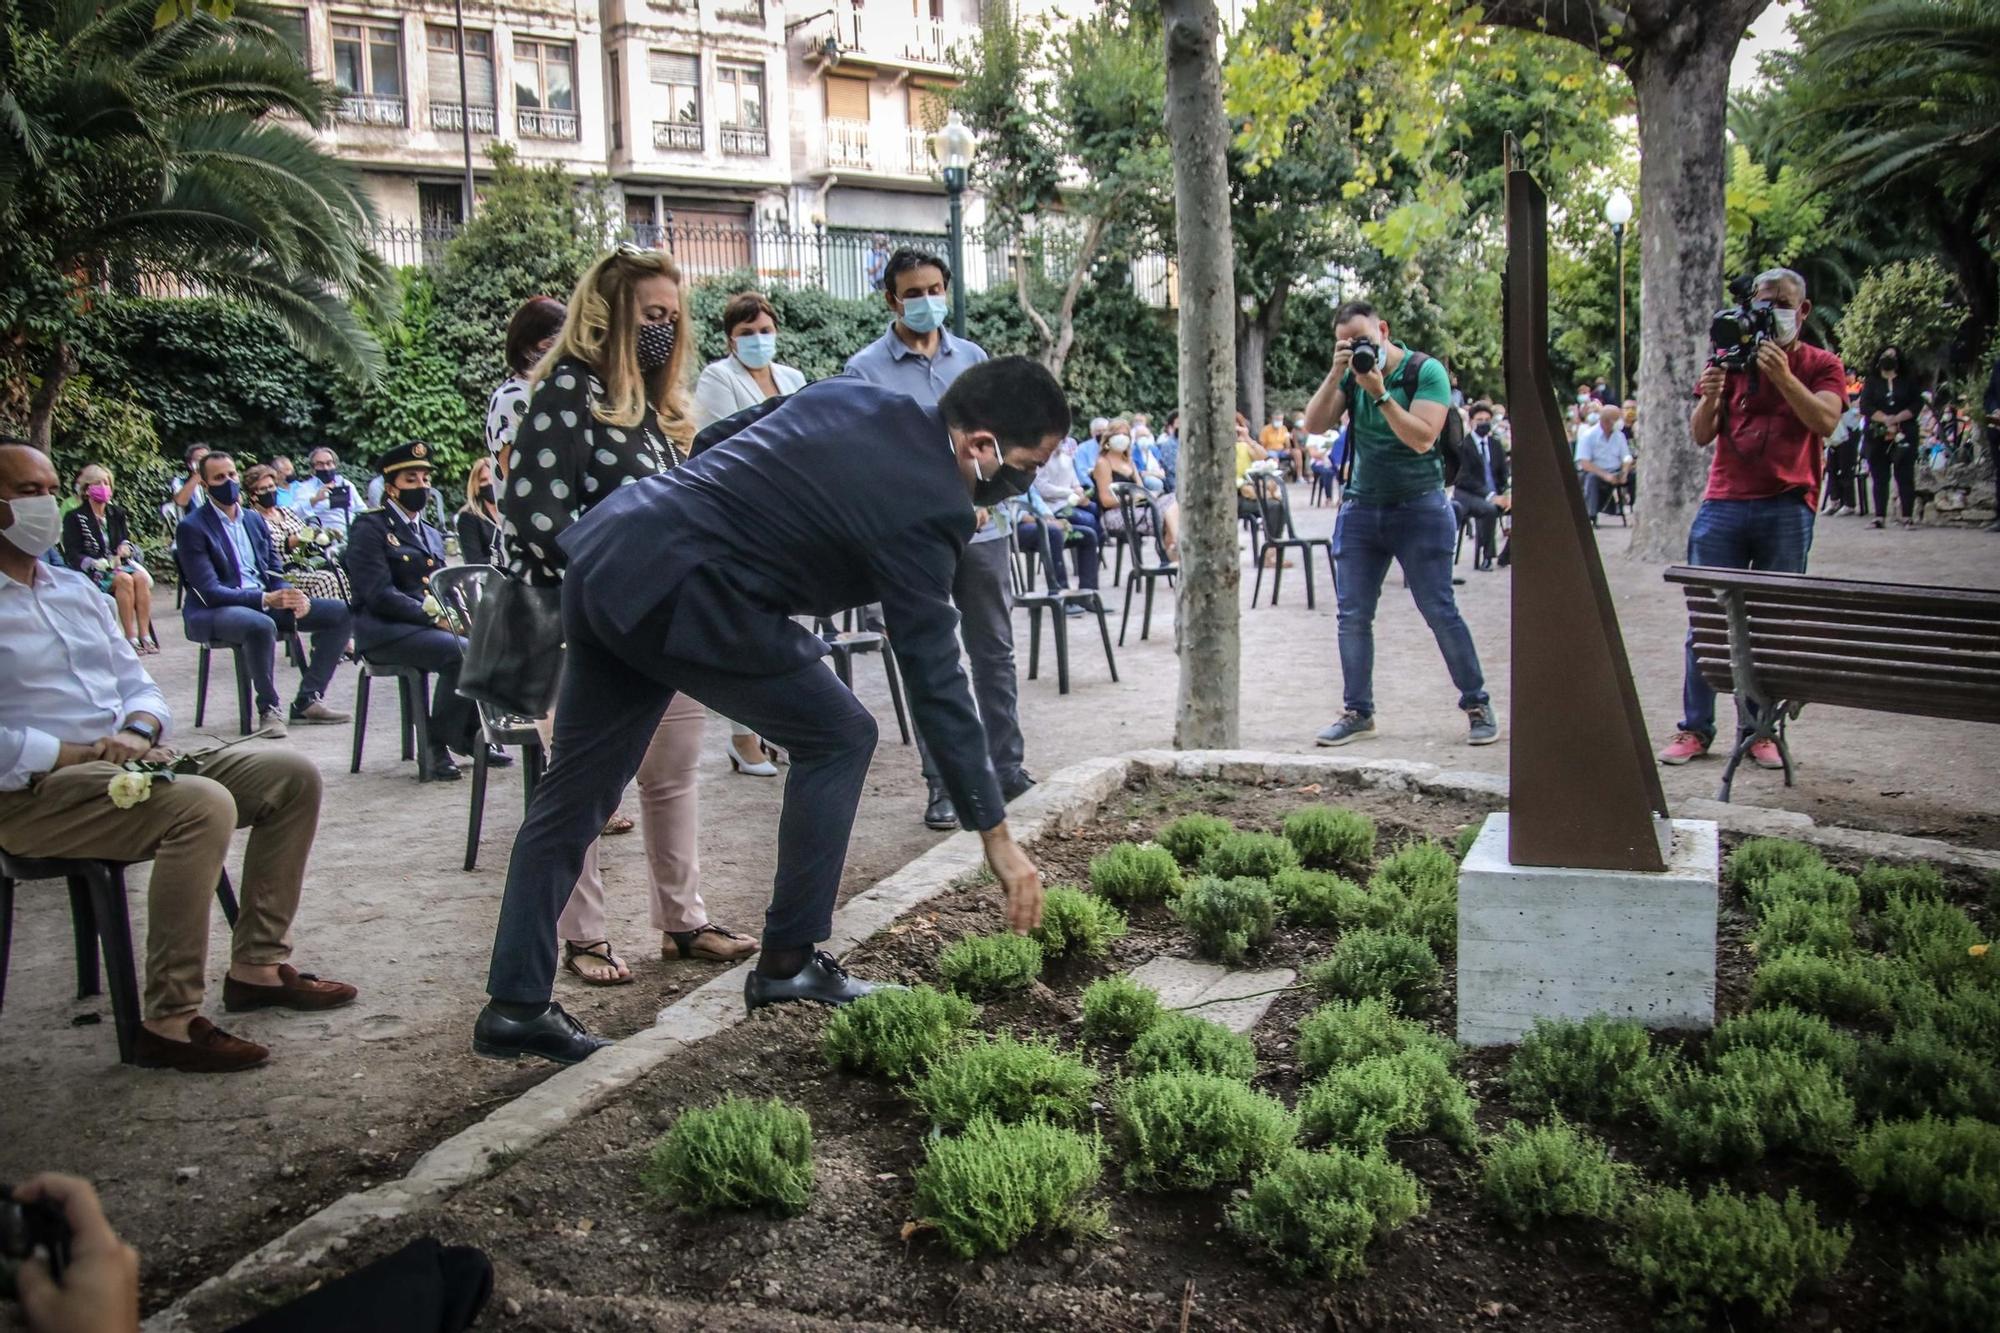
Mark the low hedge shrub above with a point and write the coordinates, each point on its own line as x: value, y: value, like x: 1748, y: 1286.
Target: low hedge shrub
x: 1314, y: 1214
x: 987, y: 965
x: 1751, y: 1102
x: 1118, y: 1009
x: 1249, y: 856
x: 1701, y: 1256
x: 1961, y: 1294
x: 995, y: 1185
x: 1193, y: 1045
x: 1811, y: 927
x: 1461, y: 844
x: 1077, y: 925
x: 1346, y: 1032
x: 1197, y: 1131
x: 1532, y: 1173
x: 1386, y: 964
x: 1421, y: 867
x: 1228, y: 916
x: 1931, y: 937
x: 1427, y: 911
x: 737, y: 1154
x: 1966, y: 1013
x: 1360, y: 1106
x: 1133, y: 873
x: 1596, y: 1069
x: 1758, y: 858
x: 1008, y: 1079
x: 1848, y: 988
x: 1190, y: 837
x: 896, y: 1033
x: 1878, y: 882
x: 1783, y: 1028
x: 1330, y: 838
x: 1953, y: 1165
x: 1917, y: 1071
x: 1823, y: 885
x: 1324, y: 899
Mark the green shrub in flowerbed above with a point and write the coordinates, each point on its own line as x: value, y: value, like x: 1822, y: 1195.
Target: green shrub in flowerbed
x: 1008, y: 1079
x: 1192, y: 1045
x: 987, y: 965
x: 1461, y: 845
x: 1197, y: 1131
x: 1532, y: 1173
x: 1751, y: 1102
x: 1315, y: 1213
x: 1249, y: 856
x: 1823, y: 885
x: 1699, y: 1257
x: 1953, y: 1165
x: 896, y: 1033
x: 736, y: 1154
x: 1933, y: 938
x: 1324, y: 899
x: 1228, y: 916
x: 1361, y: 1105
x: 1917, y: 1071
x: 1850, y: 987
x: 995, y: 1185
x: 1345, y: 1032
x: 1131, y: 873
x: 1960, y: 1295
x: 1423, y: 908
x: 1118, y: 1009
x: 1421, y: 867
x: 1328, y: 838
x: 1810, y: 927
x: 1966, y: 1014
x: 1077, y: 925
x: 1758, y: 858
x: 1878, y: 882
x: 1783, y: 1028
x: 1383, y: 963
x: 1597, y: 1069
x: 1190, y: 837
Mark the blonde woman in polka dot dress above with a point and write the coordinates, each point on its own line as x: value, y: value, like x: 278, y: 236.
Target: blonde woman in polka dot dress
x: 609, y: 407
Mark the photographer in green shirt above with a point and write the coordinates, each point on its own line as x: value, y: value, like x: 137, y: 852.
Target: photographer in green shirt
x: 1395, y: 508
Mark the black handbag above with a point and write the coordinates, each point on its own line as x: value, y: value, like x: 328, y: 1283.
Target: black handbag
x: 513, y: 657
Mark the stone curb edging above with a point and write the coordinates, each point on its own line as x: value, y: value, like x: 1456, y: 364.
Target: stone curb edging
x: 1067, y: 800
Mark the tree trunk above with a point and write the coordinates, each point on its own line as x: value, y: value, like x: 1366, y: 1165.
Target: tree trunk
x: 1683, y: 86
x: 1961, y: 239
x: 1251, y: 343
x: 1205, y: 629
x: 42, y: 405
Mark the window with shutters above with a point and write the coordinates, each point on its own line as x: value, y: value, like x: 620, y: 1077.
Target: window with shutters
x: 847, y: 137
x: 290, y: 24
x: 678, y: 76
x: 617, y: 95
x: 447, y: 112
x: 846, y: 99
x: 545, y: 89
x: 739, y: 95
x: 368, y: 71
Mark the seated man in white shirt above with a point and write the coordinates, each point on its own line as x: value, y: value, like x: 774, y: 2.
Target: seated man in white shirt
x: 1604, y: 457
x: 77, y: 705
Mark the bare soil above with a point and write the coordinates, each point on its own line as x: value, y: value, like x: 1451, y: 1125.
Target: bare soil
x: 579, y: 1246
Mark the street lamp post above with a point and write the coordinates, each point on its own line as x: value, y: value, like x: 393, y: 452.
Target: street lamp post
x: 954, y: 144
x: 1618, y: 212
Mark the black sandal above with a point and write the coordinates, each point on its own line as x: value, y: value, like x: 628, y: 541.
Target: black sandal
x: 685, y: 941
x: 600, y: 950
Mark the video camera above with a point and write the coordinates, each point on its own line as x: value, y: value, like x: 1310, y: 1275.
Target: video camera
x: 1735, y: 333
x: 28, y: 1227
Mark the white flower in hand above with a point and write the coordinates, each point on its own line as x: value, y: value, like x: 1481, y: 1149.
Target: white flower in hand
x: 127, y: 789
x: 433, y: 608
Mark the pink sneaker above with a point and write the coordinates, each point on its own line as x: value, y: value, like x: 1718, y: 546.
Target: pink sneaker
x: 1684, y: 746
x: 1765, y: 754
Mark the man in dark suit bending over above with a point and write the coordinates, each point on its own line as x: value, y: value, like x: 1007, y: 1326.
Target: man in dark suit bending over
x: 845, y: 494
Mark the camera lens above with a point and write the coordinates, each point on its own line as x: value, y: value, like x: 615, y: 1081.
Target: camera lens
x: 1364, y: 357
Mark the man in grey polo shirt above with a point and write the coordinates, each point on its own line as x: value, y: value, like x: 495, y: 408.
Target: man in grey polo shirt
x: 1604, y: 457
x: 917, y: 357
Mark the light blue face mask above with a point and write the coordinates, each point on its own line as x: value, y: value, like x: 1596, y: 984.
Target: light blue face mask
x: 756, y: 350
x: 924, y: 314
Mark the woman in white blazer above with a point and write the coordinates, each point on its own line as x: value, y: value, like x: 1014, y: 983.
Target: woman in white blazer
x: 746, y: 377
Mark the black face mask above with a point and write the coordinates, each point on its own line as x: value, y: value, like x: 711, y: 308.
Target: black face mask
x: 265, y: 499
x: 412, y: 498
x: 326, y: 474
x: 1006, y: 483
x: 656, y: 346
x: 486, y: 493
x: 1482, y: 428
x: 224, y: 493
x: 1886, y: 363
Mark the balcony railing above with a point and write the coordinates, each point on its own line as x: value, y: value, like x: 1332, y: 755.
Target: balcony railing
x: 677, y: 134
x: 922, y: 154
x: 847, y: 145
x: 745, y: 141
x: 534, y: 123
x: 362, y: 109
x: 930, y: 40
x: 451, y: 116
x: 742, y: 11
x: 867, y: 32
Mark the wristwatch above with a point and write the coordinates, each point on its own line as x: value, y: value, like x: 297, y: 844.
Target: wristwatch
x: 149, y: 731
x: 1383, y: 399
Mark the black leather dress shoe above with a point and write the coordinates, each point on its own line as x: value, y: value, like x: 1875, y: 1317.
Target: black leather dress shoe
x: 444, y: 770
x: 939, y: 814
x: 495, y: 757
x: 822, y: 981
x: 552, y: 1034
x: 1015, y: 784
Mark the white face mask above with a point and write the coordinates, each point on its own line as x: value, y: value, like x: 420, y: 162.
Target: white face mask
x: 37, y: 524
x: 1786, y: 323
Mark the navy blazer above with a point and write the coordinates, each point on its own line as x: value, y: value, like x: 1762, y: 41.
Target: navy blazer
x: 211, y: 571
x: 843, y: 494
x: 389, y: 563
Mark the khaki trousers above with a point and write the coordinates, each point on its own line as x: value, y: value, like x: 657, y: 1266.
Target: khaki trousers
x: 183, y: 828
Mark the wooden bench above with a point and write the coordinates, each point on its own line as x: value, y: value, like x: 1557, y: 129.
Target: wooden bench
x: 1782, y: 641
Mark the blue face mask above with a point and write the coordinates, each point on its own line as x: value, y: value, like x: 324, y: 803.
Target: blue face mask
x: 756, y: 350
x: 925, y: 314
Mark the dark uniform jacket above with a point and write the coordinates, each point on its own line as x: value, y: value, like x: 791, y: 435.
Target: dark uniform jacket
x: 390, y: 559
x: 845, y: 494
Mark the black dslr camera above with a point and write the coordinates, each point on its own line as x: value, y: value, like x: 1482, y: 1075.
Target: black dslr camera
x: 27, y: 1227
x: 1364, y: 355
x: 1735, y: 334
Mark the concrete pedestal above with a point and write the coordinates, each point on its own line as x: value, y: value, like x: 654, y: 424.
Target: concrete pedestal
x: 1548, y: 942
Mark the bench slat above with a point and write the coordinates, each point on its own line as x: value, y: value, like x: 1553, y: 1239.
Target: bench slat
x: 1772, y: 649
x: 1872, y: 694
x: 1812, y: 589
x: 1887, y: 618
x: 1714, y: 621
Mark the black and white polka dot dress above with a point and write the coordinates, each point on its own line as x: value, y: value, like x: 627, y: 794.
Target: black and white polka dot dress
x: 565, y: 460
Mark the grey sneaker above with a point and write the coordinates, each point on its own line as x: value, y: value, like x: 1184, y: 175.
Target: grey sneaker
x: 272, y: 724
x: 1485, y: 727
x: 314, y: 712
x: 1351, y: 727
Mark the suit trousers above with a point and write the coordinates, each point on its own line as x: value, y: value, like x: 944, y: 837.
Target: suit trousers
x: 183, y: 828
x: 984, y: 596
x: 616, y: 688
x: 454, y: 718
x: 328, y: 623
x: 1485, y: 516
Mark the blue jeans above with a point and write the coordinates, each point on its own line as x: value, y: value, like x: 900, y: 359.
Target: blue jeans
x: 1773, y: 535
x: 1418, y: 535
x: 327, y: 623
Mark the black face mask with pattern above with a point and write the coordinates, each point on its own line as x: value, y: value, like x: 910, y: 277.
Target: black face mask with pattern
x: 656, y: 345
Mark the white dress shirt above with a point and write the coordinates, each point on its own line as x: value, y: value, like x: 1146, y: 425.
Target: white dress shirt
x: 70, y: 674
x: 726, y: 388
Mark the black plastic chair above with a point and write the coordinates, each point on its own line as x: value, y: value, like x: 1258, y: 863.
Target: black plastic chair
x: 1281, y: 536
x: 413, y: 695
x: 1131, y: 500
x: 844, y: 642
x: 1055, y: 601
x: 294, y: 651
x: 99, y: 921
x: 457, y: 590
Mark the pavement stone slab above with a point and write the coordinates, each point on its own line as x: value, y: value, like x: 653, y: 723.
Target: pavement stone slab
x: 1235, y: 998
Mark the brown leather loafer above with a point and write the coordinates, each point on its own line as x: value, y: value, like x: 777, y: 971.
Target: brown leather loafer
x: 208, y: 1050
x: 295, y: 990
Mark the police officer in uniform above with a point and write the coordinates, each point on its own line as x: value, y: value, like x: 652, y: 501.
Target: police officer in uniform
x: 391, y: 554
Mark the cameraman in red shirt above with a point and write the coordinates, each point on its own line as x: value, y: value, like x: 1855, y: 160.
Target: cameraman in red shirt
x: 1764, y: 478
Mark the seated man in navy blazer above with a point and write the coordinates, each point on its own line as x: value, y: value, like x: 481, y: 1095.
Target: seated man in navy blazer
x: 844, y: 494
x: 391, y: 554
x: 235, y: 596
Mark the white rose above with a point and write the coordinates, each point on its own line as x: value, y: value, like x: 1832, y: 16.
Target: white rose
x: 433, y: 608
x: 127, y: 789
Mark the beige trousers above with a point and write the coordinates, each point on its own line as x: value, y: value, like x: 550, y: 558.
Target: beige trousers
x: 183, y: 828
x: 669, y: 823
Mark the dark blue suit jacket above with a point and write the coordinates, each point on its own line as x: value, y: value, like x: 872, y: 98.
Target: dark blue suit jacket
x: 213, y: 573
x: 846, y: 493
x: 388, y: 560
